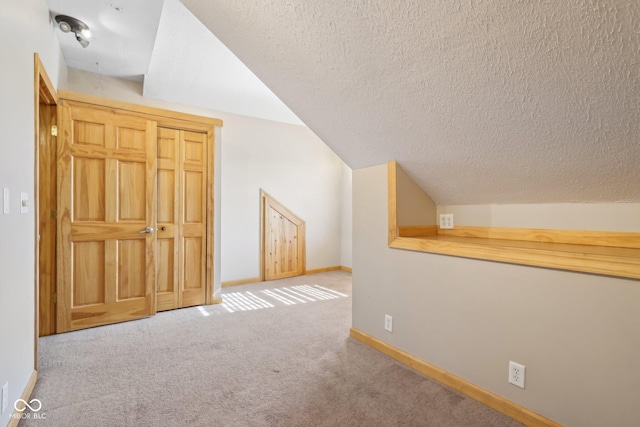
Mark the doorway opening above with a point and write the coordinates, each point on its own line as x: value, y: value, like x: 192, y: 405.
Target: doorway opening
x: 45, y: 116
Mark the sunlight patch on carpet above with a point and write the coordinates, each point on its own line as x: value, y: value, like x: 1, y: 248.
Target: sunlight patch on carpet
x: 203, y: 311
x: 268, y: 298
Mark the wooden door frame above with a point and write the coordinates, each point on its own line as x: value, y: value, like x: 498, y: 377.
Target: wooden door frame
x: 45, y: 92
x: 302, y: 244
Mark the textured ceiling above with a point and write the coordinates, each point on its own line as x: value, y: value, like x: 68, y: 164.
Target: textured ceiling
x: 480, y: 101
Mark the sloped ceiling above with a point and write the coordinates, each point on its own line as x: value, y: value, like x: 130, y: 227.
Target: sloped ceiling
x: 189, y: 65
x: 480, y: 101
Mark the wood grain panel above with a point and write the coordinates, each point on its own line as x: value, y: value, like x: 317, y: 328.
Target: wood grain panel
x: 64, y: 247
x: 282, y: 242
x: 111, y: 197
x: 105, y: 314
x: 183, y: 155
x: 46, y: 219
x: 191, y: 136
x: 290, y: 255
x: 194, y: 152
x: 580, y: 258
x: 131, y: 139
x: 417, y: 230
x: 149, y: 301
x: 194, y: 148
x: 88, y: 273
x: 193, y: 200
x: 107, y: 153
x: 113, y: 191
x: 575, y: 237
x: 88, y: 189
x: 209, y: 228
x: 166, y: 196
x: 240, y: 282
x: 112, y: 270
x: 131, y: 265
x: 87, y: 231
x: 323, y: 270
x: 131, y: 184
x: 167, y: 144
x: 169, y: 268
x: 193, y: 266
x: 193, y: 220
x: 89, y: 133
x: 392, y: 201
x: 167, y: 117
x: 166, y: 265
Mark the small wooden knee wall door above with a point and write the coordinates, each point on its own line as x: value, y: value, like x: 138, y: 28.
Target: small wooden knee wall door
x: 135, y: 203
x: 283, y: 240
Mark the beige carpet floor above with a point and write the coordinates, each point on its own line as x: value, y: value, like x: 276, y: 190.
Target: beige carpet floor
x: 273, y: 354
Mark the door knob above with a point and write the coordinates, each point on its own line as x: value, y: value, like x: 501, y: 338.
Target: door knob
x: 146, y: 230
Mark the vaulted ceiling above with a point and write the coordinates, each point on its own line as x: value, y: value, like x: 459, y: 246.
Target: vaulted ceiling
x: 161, y: 44
x: 490, y: 101
x: 481, y: 101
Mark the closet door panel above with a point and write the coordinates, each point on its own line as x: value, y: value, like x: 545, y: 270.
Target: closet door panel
x: 106, y: 199
x: 168, y: 213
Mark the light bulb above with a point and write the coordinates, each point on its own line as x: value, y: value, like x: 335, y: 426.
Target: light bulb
x: 86, y: 33
x: 84, y: 43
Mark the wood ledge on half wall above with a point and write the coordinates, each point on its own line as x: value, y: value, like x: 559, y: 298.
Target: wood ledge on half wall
x: 597, y: 252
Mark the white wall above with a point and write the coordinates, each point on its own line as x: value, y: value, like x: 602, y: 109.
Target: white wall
x: 413, y: 205
x: 563, y: 216
x: 296, y: 168
x: 288, y: 161
x: 347, y: 216
x: 24, y: 29
x: 576, y: 333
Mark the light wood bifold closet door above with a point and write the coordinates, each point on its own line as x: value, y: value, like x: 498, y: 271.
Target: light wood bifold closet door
x: 107, y: 199
x: 182, y: 218
x: 135, y: 212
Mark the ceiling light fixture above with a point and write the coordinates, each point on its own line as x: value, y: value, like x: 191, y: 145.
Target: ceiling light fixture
x: 80, y: 29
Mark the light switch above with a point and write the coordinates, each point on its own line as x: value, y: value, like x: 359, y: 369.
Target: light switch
x: 5, y: 201
x: 24, y: 203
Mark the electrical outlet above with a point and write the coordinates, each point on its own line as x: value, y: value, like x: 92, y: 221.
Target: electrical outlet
x: 446, y: 221
x: 516, y: 374
x: 5, y: 397
x: 388, y: 323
